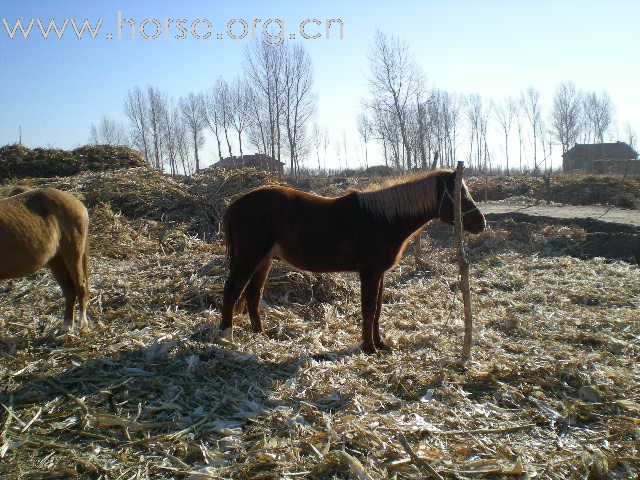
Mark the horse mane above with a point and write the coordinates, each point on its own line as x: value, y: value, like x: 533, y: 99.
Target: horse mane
x: 18, y: 189
x: 405, y: 196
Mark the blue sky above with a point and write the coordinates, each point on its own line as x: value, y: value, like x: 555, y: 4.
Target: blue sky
x: 55, y: 88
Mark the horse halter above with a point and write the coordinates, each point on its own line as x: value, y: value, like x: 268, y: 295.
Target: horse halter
x: 446, y: 193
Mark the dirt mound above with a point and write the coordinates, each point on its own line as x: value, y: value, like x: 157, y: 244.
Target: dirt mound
x: 196, y: 202
x: 18, y: 161
x: 502, y: 187
x: 571, y: 189
x: 591, y: 189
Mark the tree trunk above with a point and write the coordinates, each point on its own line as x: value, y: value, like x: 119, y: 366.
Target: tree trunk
x: 226, y: 135
x: 195, y: 150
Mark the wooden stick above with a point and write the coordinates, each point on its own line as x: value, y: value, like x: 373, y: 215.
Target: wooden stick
x: 463, y: 263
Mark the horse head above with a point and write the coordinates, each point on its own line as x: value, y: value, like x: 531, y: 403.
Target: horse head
x: 473, y: 220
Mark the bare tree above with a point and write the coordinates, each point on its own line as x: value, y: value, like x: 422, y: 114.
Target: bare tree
x: 546, y: 140
x: 345, y: 149
x: 566, y: 115
x: 213, y: 116
x: 506, y: 113
x: 421, y: 110
x: 317, y: 143
x: 598, y: 115
x: 264, y: 69
x: 326, y: 142
x: 135, y: 107
x: 452, y: 114
x: 183, y: 145
x: 257, y: 131
x: 192, y: 108
x: 484, y: 146
x: 442, y: 115
x: 108, y: 132
x: 519, y: 124
x: 530, y: 102
x: 157, y: 105
x: 172, y: 129
x: 241, y: 99
x: 94, y: 138
x: 299, y: 102
x: 224, y: 107
x: 394, y: 80
x: 364, y: 129
x: 631, y: 135
x: 476, y: 119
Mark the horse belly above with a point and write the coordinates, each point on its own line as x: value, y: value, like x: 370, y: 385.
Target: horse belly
x: 25, y: 252
x: 316, y: 254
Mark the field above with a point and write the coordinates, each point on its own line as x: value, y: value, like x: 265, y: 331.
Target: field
x: 552, y: 391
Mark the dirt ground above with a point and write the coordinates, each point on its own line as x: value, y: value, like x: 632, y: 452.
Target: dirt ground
x: 540, y: 209
x: 552, y: 392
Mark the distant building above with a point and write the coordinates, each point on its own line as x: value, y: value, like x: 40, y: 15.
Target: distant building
x: 600, y: 158
x: 258, y: 161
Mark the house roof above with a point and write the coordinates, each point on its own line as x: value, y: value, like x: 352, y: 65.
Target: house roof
x: 257, y: 158
x: 617, y: 150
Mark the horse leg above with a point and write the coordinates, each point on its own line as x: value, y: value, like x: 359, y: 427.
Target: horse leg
x: 234, y: 286
x: 77, y: 266
x: 377, y: 340
x: 84, y: 323
x: 369, y: 286
x: 253, y: 293
x: 62, y: 276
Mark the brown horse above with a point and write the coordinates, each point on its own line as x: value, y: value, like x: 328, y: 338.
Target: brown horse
x: 47, y: 227
x: 366, y: 232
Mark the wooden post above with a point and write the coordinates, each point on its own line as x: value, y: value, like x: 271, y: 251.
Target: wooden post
x: 463, y: 264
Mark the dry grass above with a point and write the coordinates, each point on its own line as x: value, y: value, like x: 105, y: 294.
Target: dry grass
x: 565, y: 188
x: 553, y: 389
x: 18, y: 161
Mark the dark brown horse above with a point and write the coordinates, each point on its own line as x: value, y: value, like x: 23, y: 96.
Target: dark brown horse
x: 366, y: 232
x: 47, y: 227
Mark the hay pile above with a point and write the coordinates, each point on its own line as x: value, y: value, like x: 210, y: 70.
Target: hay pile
x: 593, y: 189
x: 18, y: 161
x: 196, y: 202
x: 570, y: 189
x: 553, y: 390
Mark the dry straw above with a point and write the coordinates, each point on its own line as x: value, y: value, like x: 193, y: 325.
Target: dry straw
x: 553, y: 390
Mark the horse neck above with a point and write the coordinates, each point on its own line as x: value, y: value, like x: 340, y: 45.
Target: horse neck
x: 407, y: 206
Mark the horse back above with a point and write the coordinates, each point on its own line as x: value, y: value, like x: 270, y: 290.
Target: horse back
x: 308, y: 231
x: 35, y: 224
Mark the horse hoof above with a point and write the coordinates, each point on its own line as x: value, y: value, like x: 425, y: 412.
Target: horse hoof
x: 227, y: 334
x: 85, y: 330
x: 383, y: 346
x: 369, y: 349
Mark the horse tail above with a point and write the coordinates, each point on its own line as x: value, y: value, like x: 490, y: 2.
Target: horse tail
x: 240, y: 306
x: 241, y: 303
x: 228, y: 237
x: 85, y: 262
